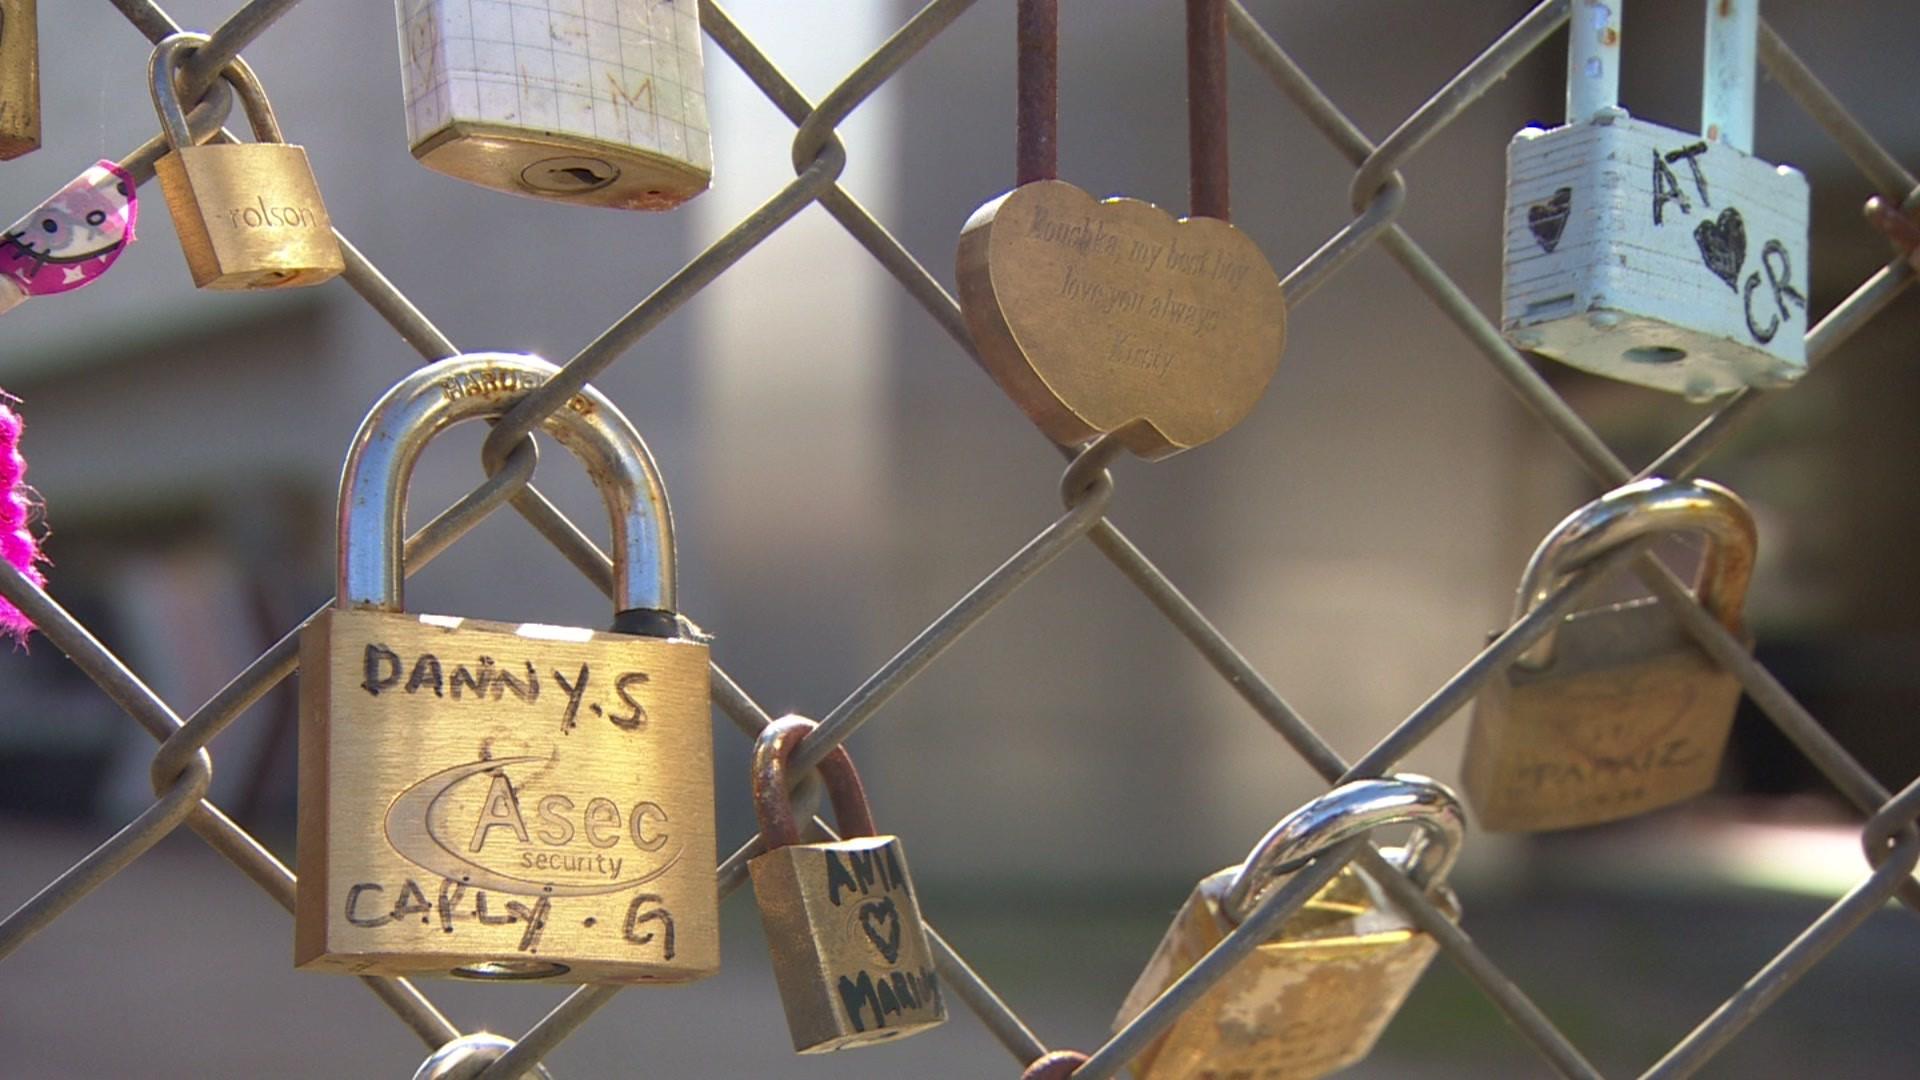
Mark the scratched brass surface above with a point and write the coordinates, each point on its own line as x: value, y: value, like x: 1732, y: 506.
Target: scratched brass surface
x: 19, y: 79
x: 1312, y: 1000
x: 1110, y: 316
x: 1631, y: 716
x: 249, y: 216
x: 558, y: 824
x: 849, y: 953
x: 564, y: 168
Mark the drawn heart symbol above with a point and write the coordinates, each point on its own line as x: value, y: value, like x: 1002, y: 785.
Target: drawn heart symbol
x: 1110, y: 316
x: 1549, y: 219
x: 875, y: 912
x: 1723, y: 245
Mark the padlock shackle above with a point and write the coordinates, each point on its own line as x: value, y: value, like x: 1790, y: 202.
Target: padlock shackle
x: 165, y: 62
x: 371, y: 527
x: 1639, y: 509
x: 1729, y: 71
x: 1355, y: 809
x: 1729, y: 66
x: 1593, y: 58
x: 773, y: 751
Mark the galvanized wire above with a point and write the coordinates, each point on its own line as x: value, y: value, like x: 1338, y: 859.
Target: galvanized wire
x: 181, y: 766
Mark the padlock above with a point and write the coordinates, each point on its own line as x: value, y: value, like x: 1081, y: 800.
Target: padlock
x: 19, y: 79
x: 1108, y: 316
x: 1316, y: 996
x: 1616, y: 710
x: 1672, y: 259
x: 601, y: 107
x: 843, y: 922
x: 496, y: 800
x: 249, y: 215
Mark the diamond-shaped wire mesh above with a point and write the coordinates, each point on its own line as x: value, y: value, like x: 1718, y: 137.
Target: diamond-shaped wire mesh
x: 181, y: 767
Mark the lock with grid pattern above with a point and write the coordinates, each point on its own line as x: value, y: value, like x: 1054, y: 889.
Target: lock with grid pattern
x: 601, y: 105
x: 499, y: 800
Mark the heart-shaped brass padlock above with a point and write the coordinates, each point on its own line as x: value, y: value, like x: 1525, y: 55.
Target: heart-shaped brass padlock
x: 1108, y: 315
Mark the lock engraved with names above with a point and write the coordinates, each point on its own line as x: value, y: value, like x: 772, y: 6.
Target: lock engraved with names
x: 512, y: 791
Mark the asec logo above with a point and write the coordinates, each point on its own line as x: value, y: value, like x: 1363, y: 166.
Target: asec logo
x: 470, y: 824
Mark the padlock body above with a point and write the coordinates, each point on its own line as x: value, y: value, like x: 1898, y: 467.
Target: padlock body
x: 493, y: 800
x: 19, y: 79
x: 1653, y: 256
x: 249, y: 216
x: 1312, y: 1000
x: 1630, y: 716
x: 605, y: 107
x: 849, y: 951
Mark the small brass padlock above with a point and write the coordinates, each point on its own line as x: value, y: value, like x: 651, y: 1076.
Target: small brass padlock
x: 842, y: 921
x: 1316, y: 997
x: 494, y: 800
x: 1617, y: 710
x: 19, y: 79
x: 249, y: 215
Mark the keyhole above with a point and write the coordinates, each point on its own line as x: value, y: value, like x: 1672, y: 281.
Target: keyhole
x: 568, y: 175
x: 582, y: 176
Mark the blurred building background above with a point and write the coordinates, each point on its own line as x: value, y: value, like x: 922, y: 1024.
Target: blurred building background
x: 841, y: 473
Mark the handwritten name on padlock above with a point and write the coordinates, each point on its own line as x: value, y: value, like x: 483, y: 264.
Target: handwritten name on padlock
x: 503, y: 800
x: 868, y: 888
x: 511, y: 827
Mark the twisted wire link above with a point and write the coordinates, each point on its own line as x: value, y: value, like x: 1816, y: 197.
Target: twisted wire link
x: 181, y: 767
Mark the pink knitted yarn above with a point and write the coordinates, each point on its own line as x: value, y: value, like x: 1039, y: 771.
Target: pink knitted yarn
x: 18, y: 544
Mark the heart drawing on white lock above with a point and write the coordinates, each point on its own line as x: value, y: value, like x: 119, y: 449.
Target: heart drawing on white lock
x: 1548, y: 220
x: 1723, y: 246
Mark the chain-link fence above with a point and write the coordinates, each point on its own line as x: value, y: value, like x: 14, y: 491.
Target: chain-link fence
x: 181, y: 767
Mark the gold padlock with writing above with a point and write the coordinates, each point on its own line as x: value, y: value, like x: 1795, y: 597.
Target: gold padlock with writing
x: 249, y: 215
x: 19, y: 79
x: 1616, y: 710
x: 497, y: 800
x: 1315, y: 997
x: 843, y: 923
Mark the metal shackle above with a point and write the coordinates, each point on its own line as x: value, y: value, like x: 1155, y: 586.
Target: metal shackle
x: 1355, y: 809
x: 773, y: 750
x: 371, y: 527
x: 1639, y: 509
x: 1730, y: 58
x: 468, y: 1056
x: 166, y: 60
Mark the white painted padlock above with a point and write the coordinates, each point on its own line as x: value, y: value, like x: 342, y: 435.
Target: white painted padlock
x: 1671, y: 259
x: 601, y: 102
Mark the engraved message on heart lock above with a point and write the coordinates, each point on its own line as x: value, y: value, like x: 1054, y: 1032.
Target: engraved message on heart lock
x: 1111, y: 316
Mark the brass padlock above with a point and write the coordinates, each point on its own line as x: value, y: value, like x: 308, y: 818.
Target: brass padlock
x: 1616, y: 711
x: 843, y: 924
x: 1317, y: 995
x: 249, y: 215
x: 19, y: 79
x: 494, y: 800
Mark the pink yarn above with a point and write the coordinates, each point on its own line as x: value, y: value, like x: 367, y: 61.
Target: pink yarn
x: 18, y: 544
